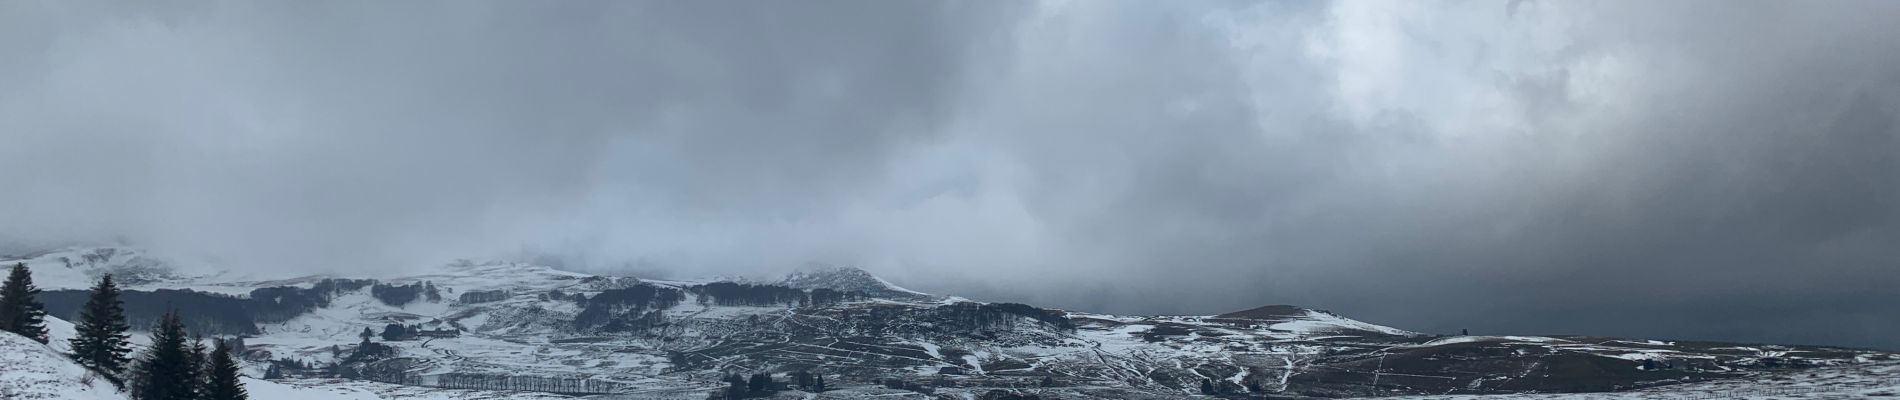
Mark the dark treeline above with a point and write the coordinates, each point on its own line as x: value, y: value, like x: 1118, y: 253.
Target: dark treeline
x: 202, y: 312
x: 219, y: 314
x: 633, y: 308
x: 824, y: 297
x: 399, y: 332
x: 176, y: 367
x: 1000, y: 315
x: 278, y: 304
x: 281, y: 303
x: 483, y: 296
x: 745, y: 294
x: 335, y: 286
x: 401, y: 295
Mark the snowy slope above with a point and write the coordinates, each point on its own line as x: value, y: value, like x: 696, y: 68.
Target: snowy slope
x: 519, y: 332
x: 849, y: 279
x: 336, y: 389
x: 131, y: 267
x: 30, y: 370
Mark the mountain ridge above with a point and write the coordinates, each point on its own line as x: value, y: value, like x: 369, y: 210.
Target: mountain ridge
x: 518, y: 326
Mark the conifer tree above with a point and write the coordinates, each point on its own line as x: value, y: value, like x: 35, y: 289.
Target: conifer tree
x: 165, y: 371
x: 20, y: 312
x: 759, y: 383
x: 735, y: 387
x: 199, y: 363
x: 100, y: 340
x: 223, y: 384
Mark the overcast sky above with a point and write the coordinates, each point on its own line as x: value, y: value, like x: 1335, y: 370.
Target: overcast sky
x: 1680, y: 169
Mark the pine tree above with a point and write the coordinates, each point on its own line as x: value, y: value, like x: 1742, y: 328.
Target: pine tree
x: 20, y: 312
x: 100, y: 340
x: 200, y: 364
x: 223, y: 384
x: 818, y: 384
x: 735, y: 387
x: 1207, y: 387
x: 165, y: 371
x: 759, y: 383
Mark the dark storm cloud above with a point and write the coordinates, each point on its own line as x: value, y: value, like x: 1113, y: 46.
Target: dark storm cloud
x: 1720, y: 170
x: 329, y: 129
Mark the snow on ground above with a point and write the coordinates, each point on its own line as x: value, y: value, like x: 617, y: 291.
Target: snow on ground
x: 1316, y: 322
x: 78, y: 267
x: 30, y: 370
x: 1874, y: 380
x: 893, y: 286
x: 517, y: 335
x: 1470, y: 339
x: 338, y: 389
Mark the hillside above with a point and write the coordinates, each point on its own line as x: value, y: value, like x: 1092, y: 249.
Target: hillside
x: 512, y: 330
x: 30, y: 370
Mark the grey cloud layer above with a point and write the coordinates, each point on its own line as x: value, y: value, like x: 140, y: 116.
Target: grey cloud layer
x: 1689, y: 169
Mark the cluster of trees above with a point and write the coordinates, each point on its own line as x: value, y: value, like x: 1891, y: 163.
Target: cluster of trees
x: 368, y: 350
x: 1214, y: 388
x: 810, y: 382
x: 337, y: 286
x: 631, y: 308
x: 1001, y: 315
x: 824, y: 297
x: 279, y: 304
x: 203, y: 312
x: 174, y: 367
x: 762, y: 385
x: 400, y: 295
x: 179, y: 368
x: 214, y: 313
x: 745, y: 294
x: 483, y: 296
x: 277, y: 367
x: 398, y: 332
x: 524, y: 383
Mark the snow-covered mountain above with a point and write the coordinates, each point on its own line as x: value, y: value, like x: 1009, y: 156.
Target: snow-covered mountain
x: 849, y: 279
x: 513, y: 330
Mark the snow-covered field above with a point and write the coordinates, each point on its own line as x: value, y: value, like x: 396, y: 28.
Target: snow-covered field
x: 1874, y: 380
x: 341, y: 389
x: 30, y: 370
x: 527, y: 334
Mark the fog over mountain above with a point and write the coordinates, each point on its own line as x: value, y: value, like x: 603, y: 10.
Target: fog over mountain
x: 1687, y: 169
